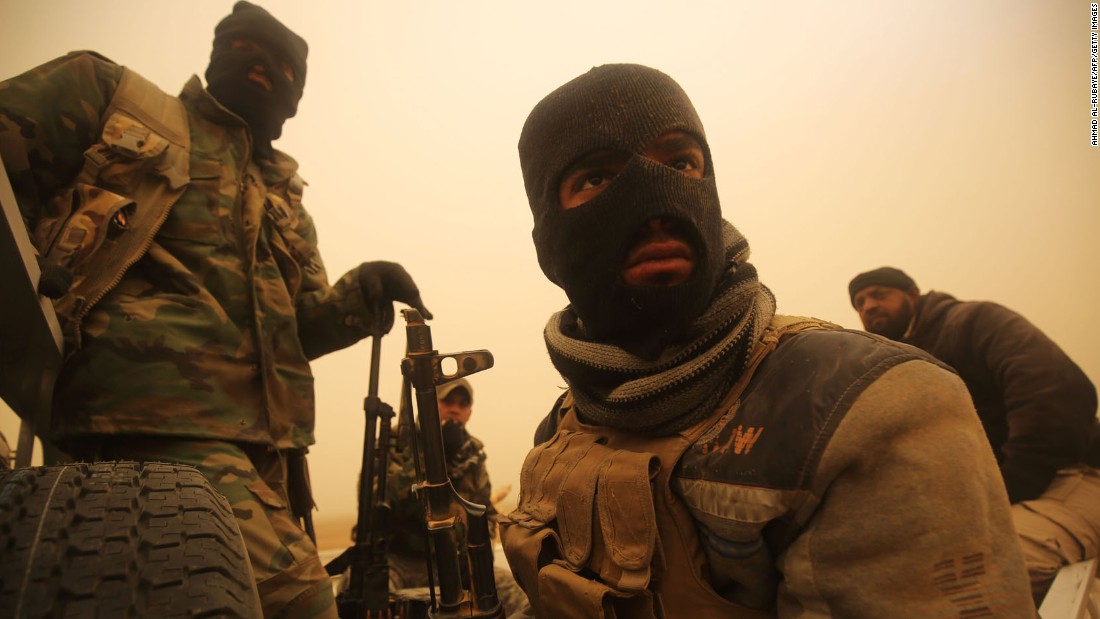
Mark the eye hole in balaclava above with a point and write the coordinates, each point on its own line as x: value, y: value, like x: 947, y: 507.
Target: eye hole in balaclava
x: 620, y: 108
x: 250, y: 37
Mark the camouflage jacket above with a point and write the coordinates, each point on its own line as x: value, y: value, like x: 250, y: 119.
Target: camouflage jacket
x: 211, y: 296
x: 469, y: 477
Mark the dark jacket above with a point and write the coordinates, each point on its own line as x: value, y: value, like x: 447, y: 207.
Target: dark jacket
x: 1037, y: 406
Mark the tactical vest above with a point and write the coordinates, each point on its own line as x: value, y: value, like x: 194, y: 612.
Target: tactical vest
x: 107, y: 219
x: 613, y: 524
x: 105, y: 222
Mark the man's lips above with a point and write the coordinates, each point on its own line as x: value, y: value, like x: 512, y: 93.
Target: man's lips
x: 662, y: 262
x: 260, y: 79
x: 656, y: 251
x: 877, y: 320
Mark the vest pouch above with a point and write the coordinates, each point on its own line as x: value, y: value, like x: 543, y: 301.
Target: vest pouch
x: 106, y: 219
x: 545, y: 470
x: 530, y: 540
x: 292, y: 253
x: 567, y: 541
x: 98, y: 217
x: 567, y: 594
x: 623, y: 487
x: 290, y: 243
x: 126, y: 151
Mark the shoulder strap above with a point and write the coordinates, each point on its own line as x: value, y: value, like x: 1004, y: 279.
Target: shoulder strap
x: 153, y: 107
x: 141, y: 122
x: 786, y: 325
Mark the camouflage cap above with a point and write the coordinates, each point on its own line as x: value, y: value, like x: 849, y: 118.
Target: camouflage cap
x: 445, y: 389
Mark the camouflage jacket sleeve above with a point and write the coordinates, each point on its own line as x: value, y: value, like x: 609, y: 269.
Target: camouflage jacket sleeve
x: 468, y: 474
x: 469, y: 477
x: 329, y: 317
x: 48, y: 117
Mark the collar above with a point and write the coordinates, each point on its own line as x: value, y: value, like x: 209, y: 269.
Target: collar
x: 200, y: 102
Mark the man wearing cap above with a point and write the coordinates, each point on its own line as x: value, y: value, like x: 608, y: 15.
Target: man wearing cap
x: 710, y: 457
x: 1037, y: 407
x: 192, y: 295
x: 469, y: 476
x: 466, y: 468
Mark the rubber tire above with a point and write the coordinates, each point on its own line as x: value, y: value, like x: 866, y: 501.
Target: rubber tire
x: 120, y: 539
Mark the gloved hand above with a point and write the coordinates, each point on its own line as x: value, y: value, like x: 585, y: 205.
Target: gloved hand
x: 454, y: 437
x: 382, y: 283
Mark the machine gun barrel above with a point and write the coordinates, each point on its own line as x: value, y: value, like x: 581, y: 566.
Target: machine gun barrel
x: 422, y: 366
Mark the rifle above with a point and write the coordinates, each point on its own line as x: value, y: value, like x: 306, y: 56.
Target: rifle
x: 443, y: 507
x: 368, y: 595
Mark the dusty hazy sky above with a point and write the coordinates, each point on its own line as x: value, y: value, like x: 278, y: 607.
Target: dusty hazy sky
x: 949, y: 139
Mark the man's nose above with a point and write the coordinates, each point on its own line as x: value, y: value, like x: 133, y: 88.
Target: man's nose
x: 660, y: 225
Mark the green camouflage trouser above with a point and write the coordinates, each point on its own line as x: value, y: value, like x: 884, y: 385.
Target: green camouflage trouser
x: 289, y: 575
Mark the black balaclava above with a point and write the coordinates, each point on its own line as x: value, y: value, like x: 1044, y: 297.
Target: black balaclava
x: 620, y: 107
x: 227, y: 75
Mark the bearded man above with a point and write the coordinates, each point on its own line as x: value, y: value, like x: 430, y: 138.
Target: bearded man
x: 1037, y: 406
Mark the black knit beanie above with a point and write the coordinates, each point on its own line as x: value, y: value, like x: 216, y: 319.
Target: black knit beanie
x: 882, y: 276
x: 619, y: 107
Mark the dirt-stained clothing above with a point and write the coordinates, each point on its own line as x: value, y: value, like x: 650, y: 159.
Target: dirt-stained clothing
x: 198, y: 294
x: 1038, y: 409
x: 804, y: 495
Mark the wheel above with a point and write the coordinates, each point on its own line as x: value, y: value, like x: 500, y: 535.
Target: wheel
x: 120, y: 539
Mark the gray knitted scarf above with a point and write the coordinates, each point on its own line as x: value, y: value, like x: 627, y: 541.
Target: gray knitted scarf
x: 615, y: 388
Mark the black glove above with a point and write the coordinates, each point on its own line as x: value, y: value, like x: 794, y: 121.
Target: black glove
x: 382, y: 283
x: 454, y: 437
